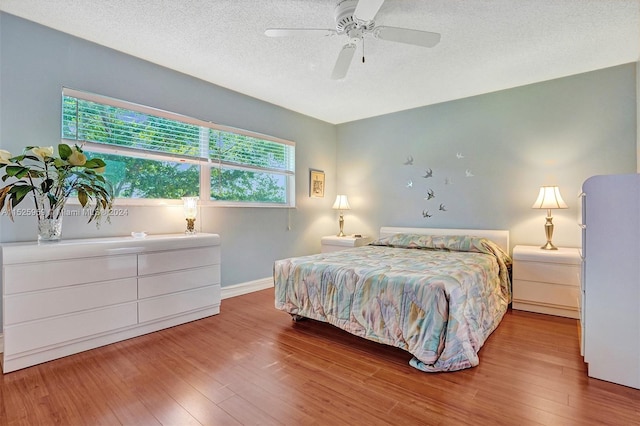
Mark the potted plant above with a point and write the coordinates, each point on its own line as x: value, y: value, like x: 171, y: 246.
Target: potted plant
x: 52, y: 180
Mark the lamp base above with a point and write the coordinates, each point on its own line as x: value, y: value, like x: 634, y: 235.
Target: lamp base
x: 548, y: 230
x: 549, y: 246
x: 190, y: 226
x: 341, y: 222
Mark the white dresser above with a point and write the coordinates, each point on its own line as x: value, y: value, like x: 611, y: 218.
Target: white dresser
x: 547, y: 281
x: 74, y: 295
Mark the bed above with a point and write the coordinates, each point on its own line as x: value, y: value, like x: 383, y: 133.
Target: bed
x: 436, y: 293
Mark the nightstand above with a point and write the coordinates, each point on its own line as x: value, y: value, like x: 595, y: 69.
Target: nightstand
x: 547, y: 281
x: 334, y: 243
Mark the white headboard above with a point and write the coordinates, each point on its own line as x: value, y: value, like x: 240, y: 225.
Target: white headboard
x: 498, y: 236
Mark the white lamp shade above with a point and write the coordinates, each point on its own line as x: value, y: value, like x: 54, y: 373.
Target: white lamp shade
x: 341, y: 203
x: 549, y: 198
x: 190, y: 207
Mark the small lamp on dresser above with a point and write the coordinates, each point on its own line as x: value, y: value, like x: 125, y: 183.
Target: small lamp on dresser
x: 341, y: 204
x: 549, y: 198
x: 190, y: 205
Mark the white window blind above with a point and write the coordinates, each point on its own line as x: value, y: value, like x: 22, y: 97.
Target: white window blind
x: 126, y: 129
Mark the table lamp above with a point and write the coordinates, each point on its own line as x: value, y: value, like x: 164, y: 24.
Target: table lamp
x: 549, y: 198
x: 341, y: 204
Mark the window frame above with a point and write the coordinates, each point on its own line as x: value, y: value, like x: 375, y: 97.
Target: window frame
x: 205, y: 163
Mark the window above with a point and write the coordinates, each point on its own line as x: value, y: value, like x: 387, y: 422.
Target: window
x: 155, y: 154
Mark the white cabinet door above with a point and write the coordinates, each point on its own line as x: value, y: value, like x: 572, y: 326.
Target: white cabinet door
x: 50, y: 303
x: 177, y: 303
x: 171, y: 282
x: 24, y: 277
x: 66, y: 328
x: 154, y: 263
x: 612, y: 278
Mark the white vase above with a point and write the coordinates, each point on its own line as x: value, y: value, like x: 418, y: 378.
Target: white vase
x: 49, y: 229
x: 49, y: 218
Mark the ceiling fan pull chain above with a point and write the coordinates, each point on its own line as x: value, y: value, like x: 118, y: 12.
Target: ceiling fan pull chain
x: 363, y: 50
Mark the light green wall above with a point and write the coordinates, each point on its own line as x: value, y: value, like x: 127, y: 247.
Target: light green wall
x: 513, y: 141
x: 36, y: 62
x: 557, y: 132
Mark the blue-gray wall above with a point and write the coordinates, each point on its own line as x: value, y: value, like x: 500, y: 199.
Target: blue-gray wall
x: 36, y: 62
x: 558, y: 132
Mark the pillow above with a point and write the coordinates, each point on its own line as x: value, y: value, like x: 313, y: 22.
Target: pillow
x: 442, y: 242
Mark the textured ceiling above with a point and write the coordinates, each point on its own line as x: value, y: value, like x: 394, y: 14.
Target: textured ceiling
x: 486, y: 45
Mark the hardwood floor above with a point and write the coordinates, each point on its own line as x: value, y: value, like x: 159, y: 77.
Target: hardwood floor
x: 252, y: 365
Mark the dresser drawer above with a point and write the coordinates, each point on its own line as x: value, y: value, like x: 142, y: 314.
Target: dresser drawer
x: 172, y: 282
x: 154, y: 263
x: 178, y: 303
x: 62, y: 329
x: 552, y: 294
x: 45, y: 275
x: 41, y: 304
x: 547, y: 272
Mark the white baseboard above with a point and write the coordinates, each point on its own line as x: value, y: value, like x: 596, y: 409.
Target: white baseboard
x: 227, y: 292
x: 245, y: 288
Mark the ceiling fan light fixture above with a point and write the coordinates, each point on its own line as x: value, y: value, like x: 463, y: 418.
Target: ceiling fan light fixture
x: 343, y: 14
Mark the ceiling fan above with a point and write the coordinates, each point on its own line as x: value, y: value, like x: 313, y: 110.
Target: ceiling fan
x: 355, y: 19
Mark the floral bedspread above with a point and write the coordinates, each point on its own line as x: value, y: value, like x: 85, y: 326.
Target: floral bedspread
x: 437, y: 297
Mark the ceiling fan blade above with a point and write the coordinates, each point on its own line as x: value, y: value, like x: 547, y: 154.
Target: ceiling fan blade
x: 343, y: 62
x: 297, y: 32
x: 405, y: 35
x: 366, y: 10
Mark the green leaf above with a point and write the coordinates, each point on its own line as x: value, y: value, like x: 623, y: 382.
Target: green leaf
x: 18, y: 192
x: 64, y: 150
x: 46, y: 185
x: 100, y: 179
x: 99, y: 162
x: 94, y: 213
x: 17, y: 171
x: 52, y: 199
x: 83, y: 198
x: 94, y: 163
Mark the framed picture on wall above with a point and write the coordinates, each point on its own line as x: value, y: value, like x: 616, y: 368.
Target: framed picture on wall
x: 316, y: 183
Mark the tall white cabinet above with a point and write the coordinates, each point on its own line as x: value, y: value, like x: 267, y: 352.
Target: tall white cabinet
x: 611, y: 279
x: 74, y: 295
